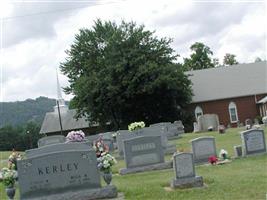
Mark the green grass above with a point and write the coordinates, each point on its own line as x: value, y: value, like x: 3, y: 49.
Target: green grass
x: 242, y: 179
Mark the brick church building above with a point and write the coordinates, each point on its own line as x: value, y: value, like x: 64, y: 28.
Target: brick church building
x: 235, y: 93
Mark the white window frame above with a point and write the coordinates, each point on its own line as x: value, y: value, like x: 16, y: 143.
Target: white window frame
x: 198, y: 110
x: 232, y: 105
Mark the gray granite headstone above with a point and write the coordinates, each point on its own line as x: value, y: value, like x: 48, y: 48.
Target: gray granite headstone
x: 171, y: 130
x: 107, y: 135
x: 208, y: 120
x: 147, y: 131
x: 48, y: 140
x: 203, y: 148
x: 180, y: 126
x: 238, y: 151
x: 142, y: 151
x: 253, y: 142
x: 61, y: 147
x: 58, y: 172
x: 183, y: 164
x: 184, y: 168
x: 196, y: 128
x: 122, y: 135
x: 109, y: 143
x: 92, y: 138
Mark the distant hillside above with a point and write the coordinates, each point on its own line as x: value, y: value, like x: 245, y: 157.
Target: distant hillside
x: 21, y: 112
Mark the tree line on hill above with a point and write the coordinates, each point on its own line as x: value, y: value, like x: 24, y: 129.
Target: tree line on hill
x: 20, y: 122
x: 20, y: 112
x: 20, y: 138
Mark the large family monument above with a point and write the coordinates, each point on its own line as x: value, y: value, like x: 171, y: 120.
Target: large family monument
x: 144, y: 153
x: 62, y: 171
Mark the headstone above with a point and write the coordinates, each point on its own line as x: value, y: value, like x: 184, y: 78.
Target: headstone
x: 61, y: 147
x: 48, y: 140
x: 203, y: 148
x: 196, y: 128
x: 208, y: 120
x: 144, y: 150
x: 144, y: 153
x: 238, y: 151
x: 253, y: 142
x: 92, y: 138
x: 147, y: 131
x: 180, y: 126
x: 107, y: 135
x: 57, y: 174
x: 122, y: 135
x: 184, y: 168
x: 109, y: 143
x: 160, y: 124
x: 172, y: 130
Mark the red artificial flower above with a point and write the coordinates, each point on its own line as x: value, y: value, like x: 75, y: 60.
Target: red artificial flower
x: 213, y: 160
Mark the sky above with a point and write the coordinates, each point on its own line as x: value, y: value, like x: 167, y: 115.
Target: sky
x: 36, y: 34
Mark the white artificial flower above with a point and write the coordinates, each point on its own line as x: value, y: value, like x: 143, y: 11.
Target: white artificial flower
x: 223, y: 152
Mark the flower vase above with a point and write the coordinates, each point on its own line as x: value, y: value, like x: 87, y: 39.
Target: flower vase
x: 107, y: 176
x: 10, y: 191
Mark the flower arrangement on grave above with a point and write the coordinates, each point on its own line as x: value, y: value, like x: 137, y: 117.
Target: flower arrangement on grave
x: 9, y: 177
x: 264, y: 120
x: 213, y: 160
x: 75, y: 136
x: 12, y: 160
x: 100, y: 147
x: 136, y: 125
x: 210, y: 128
x: 105, y: 162
x: 223, y: 154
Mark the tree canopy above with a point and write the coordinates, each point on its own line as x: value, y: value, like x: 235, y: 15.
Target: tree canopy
x: 123, y: 73
x: 200, y: 58
x: 229, y: 59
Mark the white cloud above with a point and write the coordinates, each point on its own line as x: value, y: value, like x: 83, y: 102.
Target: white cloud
x: 29, y: 63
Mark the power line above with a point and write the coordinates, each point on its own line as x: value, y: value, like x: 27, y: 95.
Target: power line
x: 58, y: 10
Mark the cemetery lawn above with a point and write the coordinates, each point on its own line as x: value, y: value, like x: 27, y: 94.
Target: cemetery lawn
x: 242, y: 179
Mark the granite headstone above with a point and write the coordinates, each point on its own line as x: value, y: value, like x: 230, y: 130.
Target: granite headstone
x: 203, y: 148
x: 184, y: 168
x: 56, y: 174
x: 205, y: 122
x: 143, y: 150
x: 48, y: 140
x: 253, y: 142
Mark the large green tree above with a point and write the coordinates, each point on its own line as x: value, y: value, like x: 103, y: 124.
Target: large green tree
x: 123, y: 73
x: 229, y: 59
x: 200, y: 57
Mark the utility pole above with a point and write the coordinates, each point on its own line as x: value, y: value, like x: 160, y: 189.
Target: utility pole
x: 59, y: 117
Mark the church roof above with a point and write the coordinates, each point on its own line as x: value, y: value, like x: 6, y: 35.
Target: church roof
x: 51, y: 122
x: 229, y: 82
